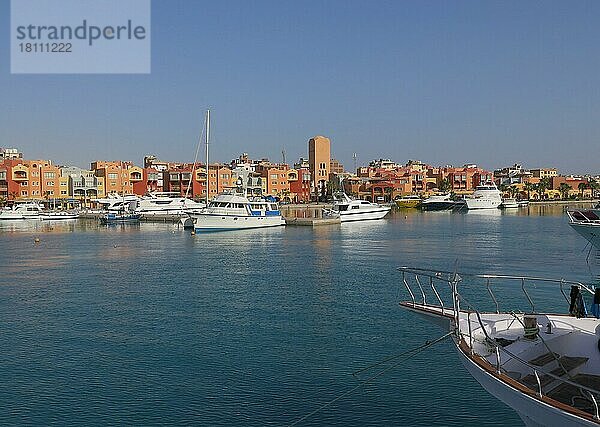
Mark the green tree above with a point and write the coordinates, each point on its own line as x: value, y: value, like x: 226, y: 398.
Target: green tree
x: 582, y: 186
x: 542, y: 186
x: 2, y: 201
x: 564, y: 189
x: 13, y: 195
x: 529, y: 187
x: 445, y: 185
x: 595, y: 186
x: 513, y: 191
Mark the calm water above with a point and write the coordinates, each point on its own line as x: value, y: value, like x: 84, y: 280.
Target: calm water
x: 149, y: 325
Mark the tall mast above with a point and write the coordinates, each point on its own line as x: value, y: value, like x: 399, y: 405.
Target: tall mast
x: 207, y: 164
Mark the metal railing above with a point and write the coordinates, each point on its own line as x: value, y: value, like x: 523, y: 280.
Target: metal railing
x: 453, y: 280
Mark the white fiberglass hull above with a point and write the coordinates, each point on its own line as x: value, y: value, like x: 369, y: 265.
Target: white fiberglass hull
x: 590, y: 231
x: 532, y: 411
x: 9, y: 216
x: 215, y: 222
x: 364, y: 214
x: 482, y: 203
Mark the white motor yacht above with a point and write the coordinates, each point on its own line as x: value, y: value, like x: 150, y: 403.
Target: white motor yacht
x: 485, y: 196
x: 21, y: 211
x: 234, y: 211
x: 166, y: 203
x: 509, y: 204
x: 586, y: 223
x: 356, y: 210
x: 544, y: 365
x: 117, y: 203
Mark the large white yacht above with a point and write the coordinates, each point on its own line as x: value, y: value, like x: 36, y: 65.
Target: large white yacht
x: 233, y: 211
x: 586, y: 223
x: 117, y: 203
x: 28, y: 210
x: 485, y: 196
x: 356, y: 210
x: 546, y: 366
x: 166, y: 203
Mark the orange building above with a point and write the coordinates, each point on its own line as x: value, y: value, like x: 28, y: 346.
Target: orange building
x: 119, y: 177
x: 275, y: 178
x: 29, y: 179
x: 319, y: 158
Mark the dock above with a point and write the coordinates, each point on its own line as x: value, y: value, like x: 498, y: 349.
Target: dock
x: 311, y: 222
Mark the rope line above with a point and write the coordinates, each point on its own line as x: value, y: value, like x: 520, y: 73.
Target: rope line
x: 371, y: 378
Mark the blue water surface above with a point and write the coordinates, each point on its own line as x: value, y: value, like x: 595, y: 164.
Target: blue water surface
x: 148, y: 325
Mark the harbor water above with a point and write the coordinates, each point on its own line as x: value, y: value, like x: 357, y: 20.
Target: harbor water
x: 148, y: 325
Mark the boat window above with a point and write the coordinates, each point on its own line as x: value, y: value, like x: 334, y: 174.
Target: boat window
x: 343, y: 207
x: 355, y: 207
x: 364, y: 203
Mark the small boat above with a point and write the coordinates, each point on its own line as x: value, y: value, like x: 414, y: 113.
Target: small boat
x: 543, y: 364
x: 509, y: 204
x: 348, y: 209
x: 523, y: 203
x: 485, y: 196
x: 586, y: 223
x: 438, y: 202
x: 59, y: 215
x: 120, y: 218
x: 21, y: 211
x: 232, y: 210
x: 408, y: 201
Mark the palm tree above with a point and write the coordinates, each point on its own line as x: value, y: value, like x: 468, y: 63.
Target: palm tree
x: 542, y: 186
x: 503, y: 188
x: 564, y: 189
x: 513, y: 191
x: 595, y: 186
x: 582, y: 186
x: 445, y: 185
x: 2, y: 201
x: 529, y: 187
x: 13, y: 195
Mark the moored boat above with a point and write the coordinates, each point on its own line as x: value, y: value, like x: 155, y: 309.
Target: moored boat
x: 586, y: 222
x: 21, y: 211
x: 59, y: 215
x: 509, y: 204
x: 546, y: 366
x: 439, y: 202
x: 348, y: 209
x: 413, y: 201
x: 485, y: 196
x: 120, y: 218
x: 234, y: 211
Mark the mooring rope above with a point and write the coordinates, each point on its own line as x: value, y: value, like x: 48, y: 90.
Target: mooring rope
x: 410, y: 353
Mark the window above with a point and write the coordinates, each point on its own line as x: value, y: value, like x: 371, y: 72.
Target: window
x: 24, y: 184
x: 63, y: 192
x: 274, y: 176
x: 113, y: 176
x: 63, y: 184
x: 49, y: 175
x: 24, y: 193
x: 50, y: 183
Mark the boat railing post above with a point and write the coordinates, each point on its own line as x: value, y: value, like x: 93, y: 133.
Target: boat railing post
x: 527, y: 295
x: 421, y: 288
x: 596, y: 414
x: 493, y: 296
x: 412, y: 296
x: 539, y: 383
x: 562, y: 291
x: 436, y: 294
x: 497, y: 359
x: 470, y: 333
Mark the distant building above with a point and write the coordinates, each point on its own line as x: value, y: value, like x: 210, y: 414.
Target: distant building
x: 302, y: 164
x: 81, y: 184
x: 336, y: 167
x: 544, y: 173
x: 514, y: 174
x: 319, y: 156
x: 10, y: 154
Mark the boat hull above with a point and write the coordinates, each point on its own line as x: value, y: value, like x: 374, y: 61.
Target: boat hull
x: 364, y: 214
x: 208, y: 222
x: 438, y: 206
x: 590, y: 231
x: 483, y: 203
x: 408, y: 204
x: 532, y: 411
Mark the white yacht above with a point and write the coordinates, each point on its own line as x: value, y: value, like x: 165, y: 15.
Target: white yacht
x: 485, y: 196
x: 234, y: 211
x: 166, y: 203
x: 586, y: 223
x: 509, y: 204
x: 117, y: 203
x: 546, y: 366
x: 356, y: 210
x: 19, y: 211
x: 59, y: 215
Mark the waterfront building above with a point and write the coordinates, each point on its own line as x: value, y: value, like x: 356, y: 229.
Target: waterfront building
x: 319, y: 157
x: 275, y: 178
x: 119, y: 176
x: 80, y: 184
x: 300, y: 186
x: 29, y: 180
x: 510, y: 175
x: 544, y: 173
x: 10, y: 154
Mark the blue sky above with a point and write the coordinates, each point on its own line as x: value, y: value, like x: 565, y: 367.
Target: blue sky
x: 446, y: 82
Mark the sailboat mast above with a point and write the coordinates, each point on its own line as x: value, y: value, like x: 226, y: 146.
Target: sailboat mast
x: 207, y: 164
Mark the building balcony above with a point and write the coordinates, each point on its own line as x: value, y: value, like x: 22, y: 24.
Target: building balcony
x: 20, y: 176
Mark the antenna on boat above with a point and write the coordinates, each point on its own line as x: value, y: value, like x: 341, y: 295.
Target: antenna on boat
x: 207, y: 164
